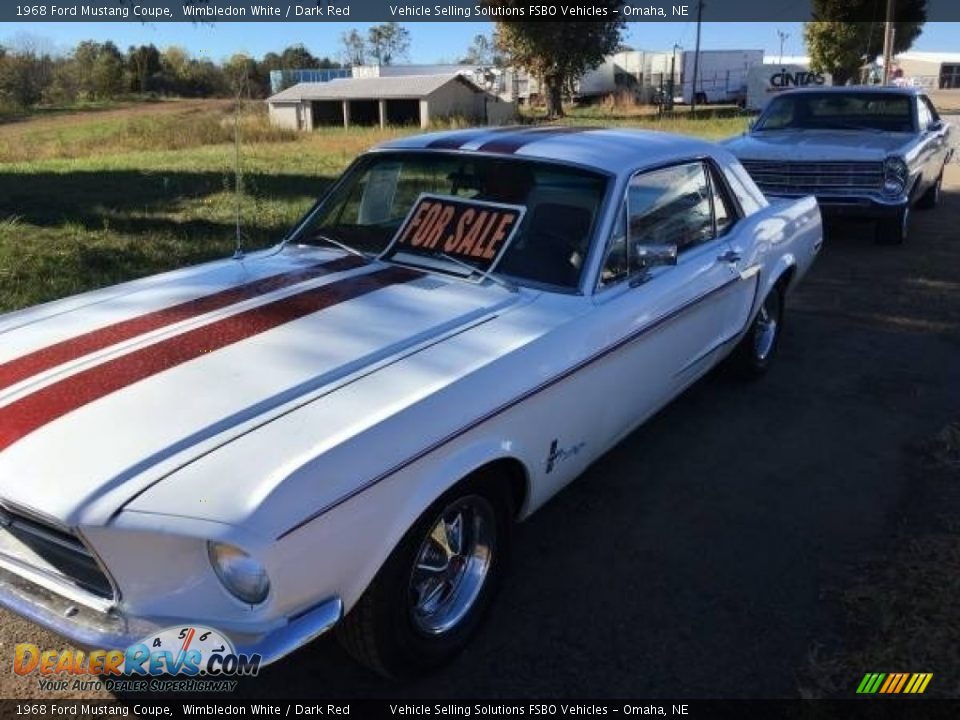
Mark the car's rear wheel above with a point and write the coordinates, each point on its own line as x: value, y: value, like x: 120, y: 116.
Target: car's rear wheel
x: 931, y: 198
x: 753, y: 355
x: 894, y: 231
x: 431, y: 594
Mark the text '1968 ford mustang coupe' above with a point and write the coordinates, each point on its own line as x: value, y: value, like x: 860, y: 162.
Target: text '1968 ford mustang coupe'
x: 868, y: 152
x: 340, y: 431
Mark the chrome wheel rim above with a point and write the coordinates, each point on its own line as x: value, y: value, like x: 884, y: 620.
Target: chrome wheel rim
x: 767, y: 326
x: 452, y: 565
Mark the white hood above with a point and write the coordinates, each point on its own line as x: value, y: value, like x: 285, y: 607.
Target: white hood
x: 93, y: 425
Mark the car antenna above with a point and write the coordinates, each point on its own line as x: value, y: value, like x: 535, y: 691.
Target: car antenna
x: 237, y: 170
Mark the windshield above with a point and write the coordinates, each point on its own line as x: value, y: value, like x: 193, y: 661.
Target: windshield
x: 839, y: 111
x: 549, y: 246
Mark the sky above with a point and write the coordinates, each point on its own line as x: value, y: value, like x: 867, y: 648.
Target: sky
x: 431, y: 42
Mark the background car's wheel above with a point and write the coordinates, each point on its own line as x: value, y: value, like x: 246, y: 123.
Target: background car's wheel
x: 894, y: 231
x: 931, y: 198
x: 753, y: 355
x: 429, y: 597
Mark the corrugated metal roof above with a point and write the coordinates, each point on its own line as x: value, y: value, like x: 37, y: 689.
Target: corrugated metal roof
x: 405, y: 86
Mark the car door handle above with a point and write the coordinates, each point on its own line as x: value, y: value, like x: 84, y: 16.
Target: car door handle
x: 730, y: 256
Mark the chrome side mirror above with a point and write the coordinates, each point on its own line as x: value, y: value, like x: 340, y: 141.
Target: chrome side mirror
x: 646, y: 257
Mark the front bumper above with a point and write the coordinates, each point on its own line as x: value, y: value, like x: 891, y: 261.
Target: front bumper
x: 856, y: 206
x: 110, y: 629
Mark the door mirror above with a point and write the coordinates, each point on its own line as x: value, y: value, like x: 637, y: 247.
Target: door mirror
x: 935, y: 126
x: 646, y: 257
x: 649, y: 256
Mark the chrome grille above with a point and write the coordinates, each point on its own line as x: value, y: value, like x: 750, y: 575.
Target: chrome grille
x: 816, y: 178
x: 58, y: 553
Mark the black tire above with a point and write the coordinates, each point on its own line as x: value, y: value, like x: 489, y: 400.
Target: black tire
x: 895, y: 230
x: 755, y: 352
x: 931, y: 198
x: 383, y: 630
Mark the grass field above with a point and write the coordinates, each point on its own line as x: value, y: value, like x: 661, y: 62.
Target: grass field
x: 107, y: 194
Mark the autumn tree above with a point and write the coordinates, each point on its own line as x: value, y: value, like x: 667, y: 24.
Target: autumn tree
x: 840, y: 39
x: 387, y: 42
x: 560, y: 51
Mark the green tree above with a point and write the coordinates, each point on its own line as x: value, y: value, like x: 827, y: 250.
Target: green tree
x: 388, y: 42
x: 560, y: 51
x: 99, y: 69
x: 482, y: 51
x: 143, y: 62
x: 297, y: 57
x: 353, y: 48
x: 839, y: 41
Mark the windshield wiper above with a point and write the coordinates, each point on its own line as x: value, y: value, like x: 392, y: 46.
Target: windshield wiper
x: 474, y: 271
x: 342, y: 245
x: 846, y: 126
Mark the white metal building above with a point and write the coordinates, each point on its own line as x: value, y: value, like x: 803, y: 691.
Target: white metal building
x: 397, y: 100
x: 937, y: 70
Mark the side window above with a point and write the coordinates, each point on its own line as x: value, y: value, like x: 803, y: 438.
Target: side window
x: 931, y: 110
x: 923, y: 114
x: 723, y: 208
x: 748, y: 194
x: 671, y: 206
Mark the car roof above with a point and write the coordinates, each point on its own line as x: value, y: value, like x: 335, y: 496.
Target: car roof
x: 610, y: 150
x: 856, y: 89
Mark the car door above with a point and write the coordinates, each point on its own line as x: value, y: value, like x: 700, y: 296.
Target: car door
x: 664, y: 326
x: 933, y: 134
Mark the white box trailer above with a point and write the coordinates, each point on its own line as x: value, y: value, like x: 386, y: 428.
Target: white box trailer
x: 722, y: 74
x: 765, y: 81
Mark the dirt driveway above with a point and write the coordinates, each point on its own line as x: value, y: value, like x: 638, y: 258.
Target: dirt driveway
x: 693, y: 559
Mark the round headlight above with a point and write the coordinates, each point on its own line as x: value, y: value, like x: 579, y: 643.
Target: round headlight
x: 243, y: 576
x: 894, y: 176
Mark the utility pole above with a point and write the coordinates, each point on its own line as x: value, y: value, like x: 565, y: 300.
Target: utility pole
x: 888, y: 42
x: 783, y: 36
x: 696, y: 59
x: 673, y: 75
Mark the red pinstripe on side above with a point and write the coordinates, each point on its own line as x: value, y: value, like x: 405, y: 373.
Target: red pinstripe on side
x: 47, y: 358
x: 31, y: 412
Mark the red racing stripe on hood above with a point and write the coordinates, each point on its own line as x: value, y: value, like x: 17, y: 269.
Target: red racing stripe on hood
x: 47, y: 358
x: 31, y: 412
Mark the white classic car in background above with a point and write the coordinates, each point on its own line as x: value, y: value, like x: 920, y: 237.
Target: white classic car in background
x: 871, y: 152
x: 349, y: 423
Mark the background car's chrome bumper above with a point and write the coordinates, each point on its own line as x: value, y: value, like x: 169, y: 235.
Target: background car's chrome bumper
x: 110, y: 629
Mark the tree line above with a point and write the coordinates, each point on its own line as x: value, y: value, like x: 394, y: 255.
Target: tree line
x: 97, y: 71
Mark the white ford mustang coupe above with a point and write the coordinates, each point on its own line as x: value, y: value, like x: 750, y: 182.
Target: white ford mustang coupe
x: 341, y: 430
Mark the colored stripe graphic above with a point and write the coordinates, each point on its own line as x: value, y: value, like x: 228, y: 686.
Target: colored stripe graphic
x: 895, y: 683
x: 510, y: 143
x: 47, y: 358
x: 29, y: 413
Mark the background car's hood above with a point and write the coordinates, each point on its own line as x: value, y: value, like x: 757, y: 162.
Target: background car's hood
x: 817, y: 145
x: 102, y: 395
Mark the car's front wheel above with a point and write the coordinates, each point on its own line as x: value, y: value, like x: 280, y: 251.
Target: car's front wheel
x: 894, y: 231
x: 755, y: 352
x: 931, y: 198
x: 429, y: 597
